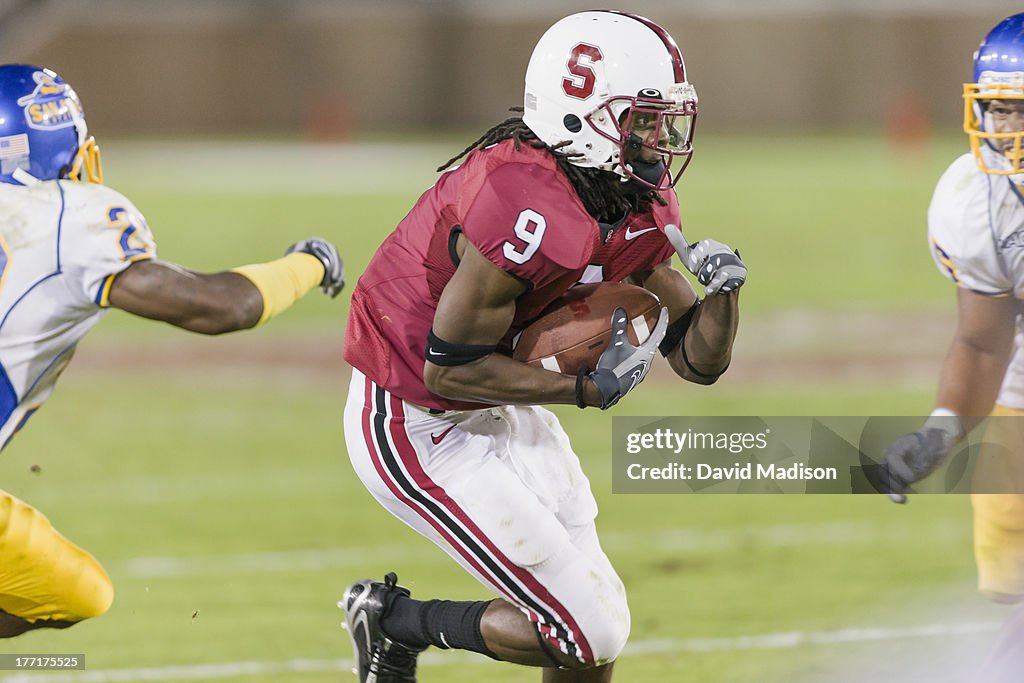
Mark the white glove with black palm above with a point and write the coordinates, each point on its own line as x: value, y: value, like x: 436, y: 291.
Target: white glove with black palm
x: 716, y: 266
x: 622, y: 366
x: 334, y: 268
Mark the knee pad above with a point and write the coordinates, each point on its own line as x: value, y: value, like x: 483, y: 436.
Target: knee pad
x: 603, y: 621
x: 91, y: 591
x: 593, y: 605
x: 607, y: 634
x: 44, y: 576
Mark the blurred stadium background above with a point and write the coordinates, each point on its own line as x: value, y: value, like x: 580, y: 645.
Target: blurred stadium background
x: 209, y: 475
x: 333, y: 68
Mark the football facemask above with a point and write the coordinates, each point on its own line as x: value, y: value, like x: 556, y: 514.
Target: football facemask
x: 88, y: 160
x: 989, y: 112
x: 651, y: 133
x: 994, y: 102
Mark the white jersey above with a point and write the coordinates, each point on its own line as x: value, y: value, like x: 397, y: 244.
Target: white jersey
x: 976, y: 235
x: 62, y: 243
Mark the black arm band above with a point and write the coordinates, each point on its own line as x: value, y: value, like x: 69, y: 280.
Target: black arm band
x: 677, y: 330
x: 440, y: 352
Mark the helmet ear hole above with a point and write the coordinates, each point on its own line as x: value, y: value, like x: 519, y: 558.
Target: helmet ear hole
x: 572, y: 123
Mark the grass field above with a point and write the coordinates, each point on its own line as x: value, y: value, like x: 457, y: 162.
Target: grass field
x: 210, y: 476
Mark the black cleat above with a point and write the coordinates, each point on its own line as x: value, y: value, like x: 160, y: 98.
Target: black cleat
x: 379, y: 659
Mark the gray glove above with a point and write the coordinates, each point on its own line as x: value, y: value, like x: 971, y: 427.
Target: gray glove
x: 622, y: 366
x: 912, y: 457
x: 334, y: 268
x: 716, y: 266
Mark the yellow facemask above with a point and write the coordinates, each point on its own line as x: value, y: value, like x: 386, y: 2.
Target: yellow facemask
x: 87, y: 159
x: 979, y: 130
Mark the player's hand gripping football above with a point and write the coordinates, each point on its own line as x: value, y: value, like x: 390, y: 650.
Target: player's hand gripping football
x: 334, y: 268
x: 622, y: 366
x: 716, y: 266
x: 912, y: 457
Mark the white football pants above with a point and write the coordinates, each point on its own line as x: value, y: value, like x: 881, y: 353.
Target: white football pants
x: 501, y: 491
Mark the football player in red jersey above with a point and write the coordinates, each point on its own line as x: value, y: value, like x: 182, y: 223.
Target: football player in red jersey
x: 445, y: 429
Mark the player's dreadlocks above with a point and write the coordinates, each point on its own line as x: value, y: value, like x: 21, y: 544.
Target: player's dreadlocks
x: 604, y: 195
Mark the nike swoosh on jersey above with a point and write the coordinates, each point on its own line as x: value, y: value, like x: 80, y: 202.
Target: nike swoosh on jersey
x: 633, y: 235
x: 439, y: 437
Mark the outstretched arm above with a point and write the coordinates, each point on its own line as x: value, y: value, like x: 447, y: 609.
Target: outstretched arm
x: 208, y: 303
x: 214, y: 303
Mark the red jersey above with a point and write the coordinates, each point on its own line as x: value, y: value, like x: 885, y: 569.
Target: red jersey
x: 520, y: 211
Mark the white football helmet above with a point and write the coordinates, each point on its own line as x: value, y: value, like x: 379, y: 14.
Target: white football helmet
x: 602, y: 82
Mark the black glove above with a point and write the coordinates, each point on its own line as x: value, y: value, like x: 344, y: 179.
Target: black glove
x: 334, y: 268
x: 622, y: 366
x: 912, y: 457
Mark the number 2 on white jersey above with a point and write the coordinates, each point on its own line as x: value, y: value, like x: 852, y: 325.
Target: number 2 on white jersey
x: 530, y: 229
x: 132, y: 248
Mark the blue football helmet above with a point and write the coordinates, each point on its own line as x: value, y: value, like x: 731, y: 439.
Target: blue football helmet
x: 43, y: 134
x: 999, y: 76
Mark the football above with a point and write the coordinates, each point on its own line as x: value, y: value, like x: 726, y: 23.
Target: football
x: 575, y: 330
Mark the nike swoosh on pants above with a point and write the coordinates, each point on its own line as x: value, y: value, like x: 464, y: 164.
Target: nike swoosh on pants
x: 438, y: 438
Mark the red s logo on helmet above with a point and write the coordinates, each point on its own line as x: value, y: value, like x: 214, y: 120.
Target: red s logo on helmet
x: 581, y: 84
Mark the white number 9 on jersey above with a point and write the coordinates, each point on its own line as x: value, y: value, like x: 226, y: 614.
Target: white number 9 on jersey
x: 530, y: 229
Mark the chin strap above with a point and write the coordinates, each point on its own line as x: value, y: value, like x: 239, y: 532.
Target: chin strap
x: 648, y: 171
x: 24, y: 177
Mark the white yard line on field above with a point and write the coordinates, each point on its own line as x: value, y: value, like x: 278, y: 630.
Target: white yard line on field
x: 688, y: 540
x: 768, y: 641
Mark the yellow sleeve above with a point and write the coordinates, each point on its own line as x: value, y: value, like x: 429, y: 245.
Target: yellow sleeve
x: 284, y: 281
